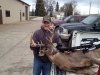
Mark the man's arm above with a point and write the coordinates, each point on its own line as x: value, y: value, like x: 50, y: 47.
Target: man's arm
x: 33, y: 44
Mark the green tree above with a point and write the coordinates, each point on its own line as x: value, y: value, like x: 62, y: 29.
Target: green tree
x: 51, y: 11
x: 40, y: 9
x: 57, y: 7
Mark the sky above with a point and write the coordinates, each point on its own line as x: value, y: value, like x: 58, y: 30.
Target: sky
x: 83, y: 6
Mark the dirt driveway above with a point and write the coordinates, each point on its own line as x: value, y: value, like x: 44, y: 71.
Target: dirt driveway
x: 15, y: 55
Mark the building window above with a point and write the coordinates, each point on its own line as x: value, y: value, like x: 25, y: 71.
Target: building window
x: 7, y: 13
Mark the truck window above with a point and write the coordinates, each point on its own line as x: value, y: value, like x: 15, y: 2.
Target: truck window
x: 72, y: 20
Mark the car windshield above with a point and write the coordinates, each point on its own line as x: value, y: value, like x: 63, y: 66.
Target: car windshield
x: 67, y: 18
x: 89, y: 20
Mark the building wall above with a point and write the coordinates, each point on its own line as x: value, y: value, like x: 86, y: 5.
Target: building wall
x: 15, y: 7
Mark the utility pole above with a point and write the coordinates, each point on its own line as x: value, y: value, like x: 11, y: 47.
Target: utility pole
x: 90, y: 8
x: 74, y: 5
x: 98, y: 6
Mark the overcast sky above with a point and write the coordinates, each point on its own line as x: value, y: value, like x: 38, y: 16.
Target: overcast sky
x: 82, y: 5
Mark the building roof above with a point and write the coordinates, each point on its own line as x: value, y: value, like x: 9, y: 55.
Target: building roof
x: 23, y: 2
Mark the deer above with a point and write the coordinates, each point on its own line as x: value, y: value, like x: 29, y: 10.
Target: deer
x: 75, y: 61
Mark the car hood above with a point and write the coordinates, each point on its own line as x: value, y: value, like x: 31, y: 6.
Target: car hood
x: 73, y: 25
x: 58, y: 22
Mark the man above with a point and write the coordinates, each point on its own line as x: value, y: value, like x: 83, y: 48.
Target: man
x: 98, y: 71
x: 41, y: 62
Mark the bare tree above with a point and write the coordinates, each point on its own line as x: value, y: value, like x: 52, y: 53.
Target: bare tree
x: 69, y: 8
x: 74, y: 4
x: 76, y: 12
x: 49, y: 5
x: 62, y: 9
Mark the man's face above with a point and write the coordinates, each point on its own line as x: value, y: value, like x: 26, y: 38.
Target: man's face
x: 47, y: 25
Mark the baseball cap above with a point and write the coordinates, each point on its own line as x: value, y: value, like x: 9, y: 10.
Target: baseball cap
x: 46, y: 18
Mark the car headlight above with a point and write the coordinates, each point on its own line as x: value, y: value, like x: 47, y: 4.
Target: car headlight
x: 62, y: 30
x: 63, y: 33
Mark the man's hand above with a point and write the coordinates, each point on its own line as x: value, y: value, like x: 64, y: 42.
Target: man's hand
x: 32, y: 43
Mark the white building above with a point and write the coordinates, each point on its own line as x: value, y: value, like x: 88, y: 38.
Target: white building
x: 13, y: 11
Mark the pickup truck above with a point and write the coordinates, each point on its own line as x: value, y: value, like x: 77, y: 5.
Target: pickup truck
x: 69, y: 19
x: 89, y: 24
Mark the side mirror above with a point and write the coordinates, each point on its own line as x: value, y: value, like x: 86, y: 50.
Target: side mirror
x: 68, y: 21
x: 98, y: 24
x: 94, y: 26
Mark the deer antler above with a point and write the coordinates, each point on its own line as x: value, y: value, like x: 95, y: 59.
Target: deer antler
x: 50, y: 43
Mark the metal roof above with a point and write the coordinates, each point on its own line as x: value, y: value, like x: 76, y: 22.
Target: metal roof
x: 23, y: 2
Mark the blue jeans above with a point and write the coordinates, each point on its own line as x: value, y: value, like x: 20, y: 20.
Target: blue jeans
x: 41, y: 67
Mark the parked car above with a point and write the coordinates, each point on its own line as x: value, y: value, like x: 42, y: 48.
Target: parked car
x: 91, y: 23
x: 70, y: 19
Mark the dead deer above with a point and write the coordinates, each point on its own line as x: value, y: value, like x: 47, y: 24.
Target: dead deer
x: 76, y: 62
